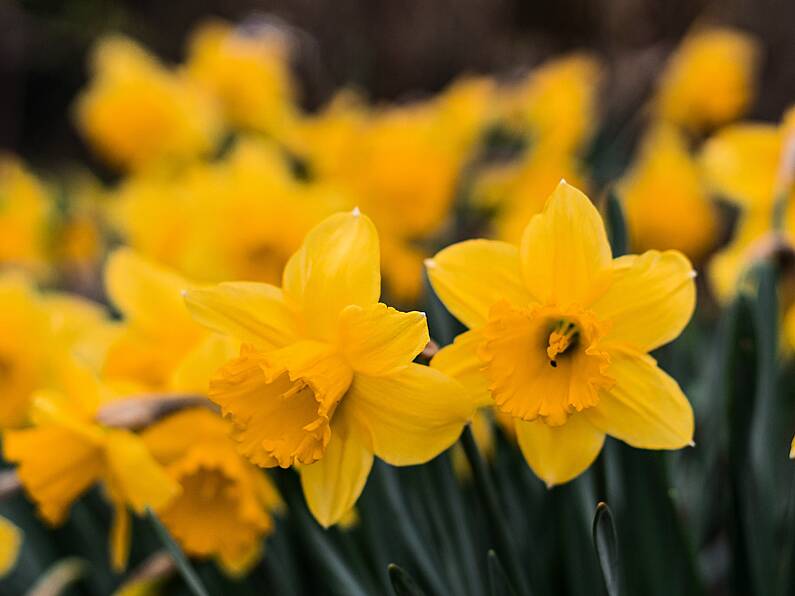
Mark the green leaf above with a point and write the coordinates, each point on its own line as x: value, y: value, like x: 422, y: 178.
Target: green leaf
x: 181, y: 561
x: 605, y: 541
x: 402, y: 582
x: 616, y: 225
x: 498, y: 581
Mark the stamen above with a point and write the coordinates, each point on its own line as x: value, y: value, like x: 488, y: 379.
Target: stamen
x: 563, y: 336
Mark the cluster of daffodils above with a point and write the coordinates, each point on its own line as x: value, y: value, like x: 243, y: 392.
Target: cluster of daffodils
x: 239, y: 260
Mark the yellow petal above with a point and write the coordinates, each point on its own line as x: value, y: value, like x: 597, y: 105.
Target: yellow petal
x: 200, y: 364
x: 120, y: 536
x: 378, y: 339
x: 333, y: 484
x: 135, y: 474
x: 337, y: 265
x: 147, y: 294
x: 254, y: 313
x: 792, y: 449
x: 741, y: 163
x: 564, y: 249
x: 411, y: 416
x: 650, y: 300
x: 469, y: 277
x: 558, y: 454
x: 645, y: 408
x: 10, y: 542
x: 55, y: 466
x: 460, y: 361
x: 170, y: 438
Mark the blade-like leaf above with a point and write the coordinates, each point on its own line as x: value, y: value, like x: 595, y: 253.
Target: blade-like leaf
x: 498, y: 581
x: 606, y: 543
x: 402, y: 582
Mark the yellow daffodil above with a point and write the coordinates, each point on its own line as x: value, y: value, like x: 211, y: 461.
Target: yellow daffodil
x: 10, y: 543
x: 66, y: 452
x: 665, y: 200
x: 36, y: 334
x: 556, y: 104
x: 224, y: 509
x: 325, y: 377
x: 25, y: 212
x: 559, y: 335
x: 747, y: 165
x: 246, y: 69
x: 136, y: 113
x: 239, y: 218
x: 709, y: 80
x: 158, y: 347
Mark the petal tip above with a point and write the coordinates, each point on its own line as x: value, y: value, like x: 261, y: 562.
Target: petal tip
x: 430, y: 263
x: 356, y: 212
x: 691, y: 444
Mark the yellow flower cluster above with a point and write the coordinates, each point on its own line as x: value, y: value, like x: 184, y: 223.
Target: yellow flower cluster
x: 248, y: 296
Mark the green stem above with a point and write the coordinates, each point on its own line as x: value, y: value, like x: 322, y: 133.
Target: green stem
x: 488, y: 494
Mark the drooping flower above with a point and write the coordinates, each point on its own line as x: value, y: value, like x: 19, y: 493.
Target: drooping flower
x: 137, y: 113
x: 325, y: 377
x: 665, y: 199
x: 709, y: 80
x: 559, y: 335
x: 66, y: 452
x: 246, y: 69
x: 225, y: 505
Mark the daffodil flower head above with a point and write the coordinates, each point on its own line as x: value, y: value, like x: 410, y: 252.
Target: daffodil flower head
x: 559, y: 335
x: 325, y: 378
x: 225, y: 504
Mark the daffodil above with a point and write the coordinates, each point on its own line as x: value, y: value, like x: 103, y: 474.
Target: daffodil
x: 36, y: 333
x: 10, y: 543
x: 66, y: 452
x: 325, y: 377
x: 559, y: 333
x: 25, y: 214
x: 136, y: 113
x: 225, y: 505
x: 246, y: 69
x: 746, y: 164
x: 157, y: 348
x: 709, y: 80
x: 556, y: 103
x: 665, y: 199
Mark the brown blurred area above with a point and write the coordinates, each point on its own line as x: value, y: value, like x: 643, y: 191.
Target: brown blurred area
x: 389, y: 49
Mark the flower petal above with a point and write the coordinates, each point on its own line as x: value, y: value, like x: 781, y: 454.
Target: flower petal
x: 469, y: 277
x: 134, y: 473
x: 333, y: 484
x: 564, y: 249
x: 646, y: 408
x: 378, y: 339
x: 411, y: 416
x: 254, y: 313
x: 55, y: 466
x: 650, y: 300
x: 147, y: 294
x: 337, y: 265
x: 741, y: 163
x: 558, y: 454
x: 460, y: 361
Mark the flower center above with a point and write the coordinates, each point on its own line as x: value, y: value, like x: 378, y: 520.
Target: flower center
x: 544, y: 361
x: 563, y: 336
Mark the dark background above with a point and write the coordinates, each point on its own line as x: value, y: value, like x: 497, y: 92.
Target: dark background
x: 389, y: 49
